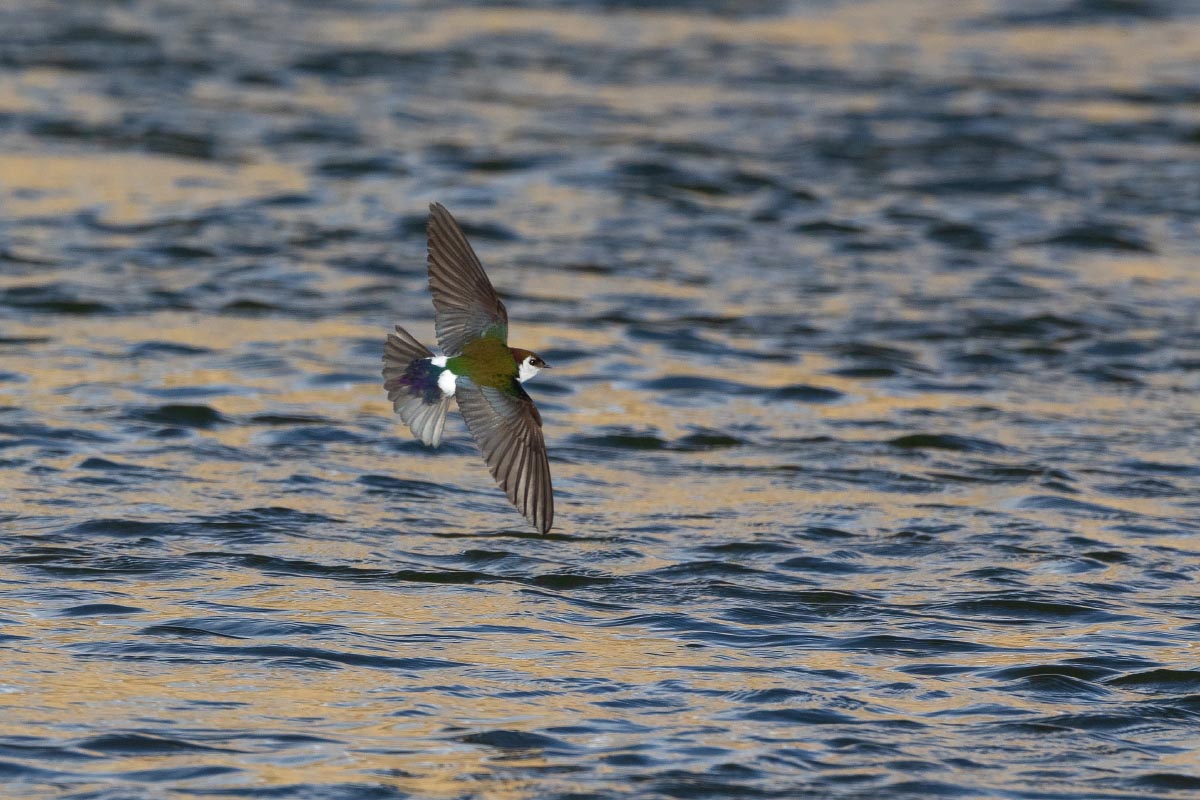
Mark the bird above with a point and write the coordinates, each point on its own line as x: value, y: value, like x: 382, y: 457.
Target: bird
x: 477, y: 369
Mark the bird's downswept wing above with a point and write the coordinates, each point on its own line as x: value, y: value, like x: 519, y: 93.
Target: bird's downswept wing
x: 467, y: 307
x: 508, y: 429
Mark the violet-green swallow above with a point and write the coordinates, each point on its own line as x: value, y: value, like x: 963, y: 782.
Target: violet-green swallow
x: 478, y: 369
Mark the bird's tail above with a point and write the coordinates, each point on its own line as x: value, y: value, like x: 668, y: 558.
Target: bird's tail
x: 411, y: 382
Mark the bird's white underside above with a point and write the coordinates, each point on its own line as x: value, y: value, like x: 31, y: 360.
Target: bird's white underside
x: 447, y: 380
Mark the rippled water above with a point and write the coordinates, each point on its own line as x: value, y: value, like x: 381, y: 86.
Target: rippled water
x: 877, y: 329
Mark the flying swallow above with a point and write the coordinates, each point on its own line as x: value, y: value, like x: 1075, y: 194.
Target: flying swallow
x: 478, y: 369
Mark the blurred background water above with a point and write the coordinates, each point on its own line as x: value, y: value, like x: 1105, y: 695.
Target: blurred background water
x: 877, y: 327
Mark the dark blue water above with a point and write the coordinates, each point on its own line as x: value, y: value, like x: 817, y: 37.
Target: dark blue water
x: 873, y: 425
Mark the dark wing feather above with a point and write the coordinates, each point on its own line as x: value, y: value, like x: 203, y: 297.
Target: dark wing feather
x: 508, y: 429
x: 466, y: 304
x: 401, y: 350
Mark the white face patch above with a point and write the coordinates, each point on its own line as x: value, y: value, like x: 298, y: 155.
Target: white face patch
x: 446, y: 380
x: 527, y: 370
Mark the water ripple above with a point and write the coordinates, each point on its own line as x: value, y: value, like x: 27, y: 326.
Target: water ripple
x: 873, y: 333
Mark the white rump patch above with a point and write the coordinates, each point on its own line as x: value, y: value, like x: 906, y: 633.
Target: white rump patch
x: 527, y: 370
x: 447, y: 379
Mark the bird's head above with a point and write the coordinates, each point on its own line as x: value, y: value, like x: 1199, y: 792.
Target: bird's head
x: 528, y: 363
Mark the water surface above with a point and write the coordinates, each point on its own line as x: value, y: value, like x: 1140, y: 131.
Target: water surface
x: 873, y: 425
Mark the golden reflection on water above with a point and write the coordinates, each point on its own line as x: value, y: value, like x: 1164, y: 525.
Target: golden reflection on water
x: 131, y: 188
x: 61, y: 389
x: 66, y: 674
x: 348, y: 701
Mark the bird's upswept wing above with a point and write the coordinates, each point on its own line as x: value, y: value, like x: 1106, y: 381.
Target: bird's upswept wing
x: 508, y: 429
x: 467, y: 307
